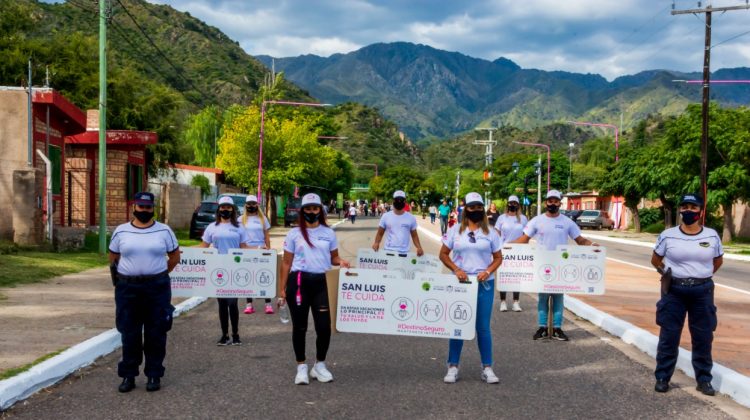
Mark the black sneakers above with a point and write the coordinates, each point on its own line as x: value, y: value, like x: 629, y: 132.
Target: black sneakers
x: 706, y: 389
x: 127, y: 384
x: 153, y: 384
x: 236, y: 340
x: 223, y: 341
x: 541, y: 333
x: 558, y: 334
x: 662, y: 385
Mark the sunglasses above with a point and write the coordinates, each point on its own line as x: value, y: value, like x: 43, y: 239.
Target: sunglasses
x: 472, y: 238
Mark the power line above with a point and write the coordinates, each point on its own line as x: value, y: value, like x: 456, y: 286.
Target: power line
x: 159, y: 51
x: 730, y: 39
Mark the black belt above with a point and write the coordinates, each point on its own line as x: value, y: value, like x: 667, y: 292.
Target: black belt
x: 141, y: 279
x: 690, y: 281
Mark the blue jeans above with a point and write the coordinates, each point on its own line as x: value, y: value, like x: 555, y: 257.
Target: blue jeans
x: 697, y: 302
x: 557, y: 309
x: 485, y: 298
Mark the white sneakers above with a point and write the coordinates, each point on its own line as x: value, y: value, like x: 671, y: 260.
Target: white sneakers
x: 452, y: 376
x: 301, y: 378
x: 516, y: 307
x: 320, y: 372
x: 503, y: 306
x: 489, y: 376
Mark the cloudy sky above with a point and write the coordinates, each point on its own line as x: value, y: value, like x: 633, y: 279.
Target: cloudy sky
x: 609, y: 37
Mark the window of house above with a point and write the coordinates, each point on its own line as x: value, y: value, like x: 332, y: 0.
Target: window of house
x: 134, y: 180
x: 54, y: 153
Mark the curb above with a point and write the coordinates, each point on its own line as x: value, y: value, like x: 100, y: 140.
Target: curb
x: 57, y: 368
x: 726, y: 381
x: 727, y: 256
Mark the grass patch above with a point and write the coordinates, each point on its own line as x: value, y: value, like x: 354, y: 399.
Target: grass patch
x: 183, y: 238
x: 9, y: 373
x: 654, y: 228
x: 26, y: 267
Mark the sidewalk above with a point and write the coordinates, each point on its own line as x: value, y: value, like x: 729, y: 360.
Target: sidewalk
x: 632, y: 293
x: 42, y: 318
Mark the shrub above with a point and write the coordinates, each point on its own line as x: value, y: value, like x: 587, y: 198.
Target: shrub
x: 202, y: 182
x: 655, y: 228
x: 650, y: 216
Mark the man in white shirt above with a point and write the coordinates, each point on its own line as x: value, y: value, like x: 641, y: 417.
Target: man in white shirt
x: 550, y: 230
x: 398, y: 226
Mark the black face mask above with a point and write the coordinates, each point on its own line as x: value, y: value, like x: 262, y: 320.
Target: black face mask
x: 251, y: 209
x: 143, y: 216
x: 225, y: 214
x: 690, y: 217
x: 512, y: 207
x: 552, y: 208
x: 310, y: 217
x: 475, y: 216
x: 399, y: 204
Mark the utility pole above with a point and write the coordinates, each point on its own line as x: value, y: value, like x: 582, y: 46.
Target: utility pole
x: 458, y: 185
x: 706, y: 82
x: 539, y: 185
x: 102, y: 126
x: 30, y: 157
x: 487, y: 158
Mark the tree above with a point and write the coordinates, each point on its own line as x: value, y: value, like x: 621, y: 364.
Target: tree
x: 202, y: 182
x: 202, y: 131
x: 402, y: 177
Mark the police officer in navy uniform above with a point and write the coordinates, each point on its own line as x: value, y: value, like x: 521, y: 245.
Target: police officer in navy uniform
x: 143, y: 252
x: 687, y: 256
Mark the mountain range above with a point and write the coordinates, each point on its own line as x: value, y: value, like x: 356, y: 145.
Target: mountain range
x: 431, y: 93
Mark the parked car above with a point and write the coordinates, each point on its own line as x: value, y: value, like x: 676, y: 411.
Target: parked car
x: 239, y: 201
x: 573, y: 214
x: 597, y: 219
x: 291, y: 211
x: 203, y: 215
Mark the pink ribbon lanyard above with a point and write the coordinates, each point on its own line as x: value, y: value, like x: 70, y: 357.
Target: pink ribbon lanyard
x: 299, y: 287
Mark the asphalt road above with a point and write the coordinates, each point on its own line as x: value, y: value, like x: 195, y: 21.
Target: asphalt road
x: 376, y: 376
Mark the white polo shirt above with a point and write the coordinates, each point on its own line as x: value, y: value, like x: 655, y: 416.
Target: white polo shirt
x: 689, y: 255
x: 509, y: 227
x: 398, y: 229
x: 225, y: 236
x: 550, y: 232
x: 256, y: 231
x: 475, y: 256
x: 143, y: 251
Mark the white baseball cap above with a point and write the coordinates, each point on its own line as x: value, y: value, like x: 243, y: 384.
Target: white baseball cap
x: 398, y: 194
x: 311, y: 199
x: 226, y: 200
x: 513, y: 198
x: 554, y: 194
x: 473, y: 198
x: 251, y: 199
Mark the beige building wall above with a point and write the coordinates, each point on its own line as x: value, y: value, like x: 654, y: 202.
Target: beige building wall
x: 13, y: 150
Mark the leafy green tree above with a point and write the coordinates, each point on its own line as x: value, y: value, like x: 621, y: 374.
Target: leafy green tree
x: 202, y: 182
x: 402, y: 177
x: 202, y: 131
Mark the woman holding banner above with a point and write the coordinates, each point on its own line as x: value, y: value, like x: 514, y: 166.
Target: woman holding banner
x: 476, y: 252
x: 257, y: 227
x: 309, y: 251
x: 224, y: 235
x: 510, y: 226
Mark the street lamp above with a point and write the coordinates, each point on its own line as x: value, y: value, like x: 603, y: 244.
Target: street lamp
x: 570, y: 163
x: 548, y: 156
x: 617, y: 133
x: 262, y: 130
x: 515, y: 167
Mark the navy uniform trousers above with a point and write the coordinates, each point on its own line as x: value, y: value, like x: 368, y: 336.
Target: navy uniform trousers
x: 698, y: 303
x: 144, y: 315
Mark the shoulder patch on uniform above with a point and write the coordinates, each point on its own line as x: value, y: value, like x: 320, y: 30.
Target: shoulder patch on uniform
x: 704, y: 244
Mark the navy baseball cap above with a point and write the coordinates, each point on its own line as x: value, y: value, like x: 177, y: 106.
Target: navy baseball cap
x: 692, y: 199
x: 144, y: 198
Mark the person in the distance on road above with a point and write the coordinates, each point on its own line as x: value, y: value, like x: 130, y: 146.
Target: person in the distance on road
x: 510, y: 225
x: 353, y: 212
x: 445, y: 211
x: 310, y: 249
x: 550, y: 229
x: 476, y: 251
x: 689, y: 255
x: 257, y: 226
x: 399, y: 226
x: 224, y: 235
x: 142, y: 293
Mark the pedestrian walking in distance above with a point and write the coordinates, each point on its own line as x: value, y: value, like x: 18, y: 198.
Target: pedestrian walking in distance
x: 687, y: 256
x: 310, y: 249
x: 398, y: 226
x: 476, y: 251
x: 445, y: 211
x: 258, y: 227
x: 510, y: 226
x: 550, y: 230
x: 226, y: 234
x: 142, y: 252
